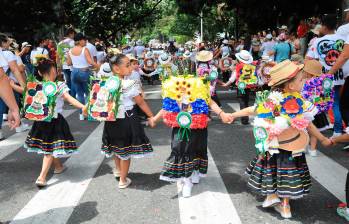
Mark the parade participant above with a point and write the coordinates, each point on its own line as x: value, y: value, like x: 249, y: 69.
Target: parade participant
x: 282, y: 117
x: 167, y: 66
x: 63, y: 48
x: 125, y: 138
x: 327, y: 49
x: 204, y: 66
x: 186, y: 103
x: 148, y: 67
x: 81, y: 59
x: 313, y: 69
x: 39, y: 50
x: 187, y: 64
x: 246, y: 79
x: 226, y: 65
x: 44, y: 100
x: 25, y: 55
x: 139, y: 49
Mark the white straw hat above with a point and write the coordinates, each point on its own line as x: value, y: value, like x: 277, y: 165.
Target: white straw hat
x: 244, y: 56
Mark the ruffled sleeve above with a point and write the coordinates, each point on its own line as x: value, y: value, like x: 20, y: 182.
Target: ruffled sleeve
x: 61, y: 89
x: 130, y: 88
x: 310, y: 111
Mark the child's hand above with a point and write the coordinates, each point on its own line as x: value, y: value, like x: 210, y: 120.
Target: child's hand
x: 327, y: 142
x: 227, y: 118
x: 84, y: 111
x: 151, y: 122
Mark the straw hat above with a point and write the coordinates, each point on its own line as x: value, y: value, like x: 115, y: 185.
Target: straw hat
x: 149, y: 54
x: 293, y: 140
x: 283, y: 72
x: 204, y: 56
x: 114, y: 50
x: 244, y: 56
x: 164, y: 58
x: 225, y: 41
x: 313, y: 67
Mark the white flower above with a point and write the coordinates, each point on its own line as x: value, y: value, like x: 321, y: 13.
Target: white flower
x: 281, y: 123
x: 276, y: 97
x: 260, y: 122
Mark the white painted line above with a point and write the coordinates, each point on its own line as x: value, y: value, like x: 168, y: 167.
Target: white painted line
x: 16, y: 140
x: 329, y: 174
x: 56, y: 203
x: 210, y: 202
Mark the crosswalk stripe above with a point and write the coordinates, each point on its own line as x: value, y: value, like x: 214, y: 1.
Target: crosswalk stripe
x: 56, y: 203
x: 324, y: 170
x: 16, y: 141
x: 210, y: 201
x: 329, y: 174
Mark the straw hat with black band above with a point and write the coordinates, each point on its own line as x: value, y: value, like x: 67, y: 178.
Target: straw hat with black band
x: 313, y: 67
x: 293, y: 140
x: 283, y: 72
x: 204, y: 56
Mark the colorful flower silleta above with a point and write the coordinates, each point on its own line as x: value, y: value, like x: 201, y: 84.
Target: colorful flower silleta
x: 277, y: 112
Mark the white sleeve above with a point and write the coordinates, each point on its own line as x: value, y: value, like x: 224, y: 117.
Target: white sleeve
x: 9, y: 56
x: 19, y: 60
x: 232, y: 77
x: 312, y: 51
x: 3, y: 62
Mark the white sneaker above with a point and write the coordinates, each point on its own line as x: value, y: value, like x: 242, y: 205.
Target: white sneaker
x: 22, y: 128
x: 313, y: 152
x: 4, y: 117
x: 186, y: 191
x: 336, y: 134
x: 195, y: 177
x: 81, y: 117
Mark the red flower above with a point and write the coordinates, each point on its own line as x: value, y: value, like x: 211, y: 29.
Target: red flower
x: 291, y: 106
x: 29, y: 100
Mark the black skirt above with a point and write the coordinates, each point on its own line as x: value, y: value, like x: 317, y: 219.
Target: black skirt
x: 280, y: 174
x: 53, y: 138
x: 321, y: 121
x: 186, y: 156
x: 125, y: 137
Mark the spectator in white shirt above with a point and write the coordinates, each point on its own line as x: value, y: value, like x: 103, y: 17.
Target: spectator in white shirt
x: 40, y: 49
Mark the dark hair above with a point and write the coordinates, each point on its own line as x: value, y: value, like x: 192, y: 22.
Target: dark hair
x: 44, y: 66
x: 330, y: 21
x: 79, y: 36
x: 3, y: 38
x: 115, y: 59
x: 100, y: 47
x: 69, y: 31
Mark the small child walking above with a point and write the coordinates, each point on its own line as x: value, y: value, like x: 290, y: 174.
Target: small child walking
x: 52, y: 139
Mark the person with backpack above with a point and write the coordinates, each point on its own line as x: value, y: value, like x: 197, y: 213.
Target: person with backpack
x: 282, y: 50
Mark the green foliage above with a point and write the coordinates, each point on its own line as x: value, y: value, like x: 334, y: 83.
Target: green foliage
x: 112, y: 18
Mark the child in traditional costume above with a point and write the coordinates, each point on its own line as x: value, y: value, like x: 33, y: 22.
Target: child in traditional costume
x: 205, y: 67
x: 186, y: 103
x: 149, y: 67
x: 318, y: 90
x: 123, y: 134
x: 246, y: 79
x: 283, y: 117
x: 50, y: 134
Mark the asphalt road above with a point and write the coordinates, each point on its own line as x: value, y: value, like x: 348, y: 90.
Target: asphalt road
x: 87, y: 192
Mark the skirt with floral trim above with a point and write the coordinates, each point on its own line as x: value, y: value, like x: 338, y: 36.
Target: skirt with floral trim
x: 186, y: 156
x: 125, y: 138
x: 52, y: 138
x: 280, y: 174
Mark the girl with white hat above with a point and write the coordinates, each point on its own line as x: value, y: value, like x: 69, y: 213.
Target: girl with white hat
x: 148, y: 67
x: 281, y: 127
x: 246, y: 79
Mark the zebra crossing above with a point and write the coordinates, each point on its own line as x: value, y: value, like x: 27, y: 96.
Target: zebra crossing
x: 87, y: 192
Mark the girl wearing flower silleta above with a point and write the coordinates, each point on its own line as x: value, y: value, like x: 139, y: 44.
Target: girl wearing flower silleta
x: 283, y: 117
x: 51, y: 138
x: 125, y: 138
x: 186, y: 103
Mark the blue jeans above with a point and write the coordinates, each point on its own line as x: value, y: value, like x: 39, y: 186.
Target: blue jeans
x: 69, y: 82
x: 338, y: 127
x: 80, y: 81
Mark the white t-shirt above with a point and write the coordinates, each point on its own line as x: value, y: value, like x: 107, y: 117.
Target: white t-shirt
x: 3, y: 61
x: 10, y: 57
x: 327, y: 50
x: 134, y: 76
x: 92, y: 49
x: 101, y: 55
x: 37, y: 51
x: 267, y: 47
x: 139, y: 51
x: 343, y: 30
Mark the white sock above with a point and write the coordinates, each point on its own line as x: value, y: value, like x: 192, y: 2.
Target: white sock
x: 187, y: 181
